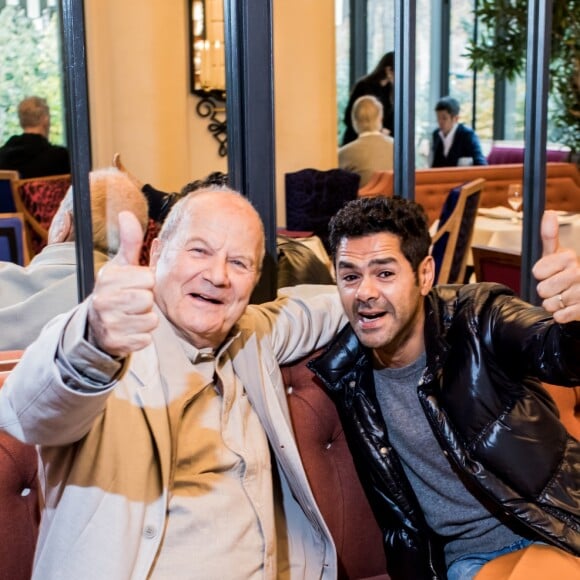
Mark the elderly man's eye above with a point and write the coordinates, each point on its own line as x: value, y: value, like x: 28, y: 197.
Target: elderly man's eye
x: 240, y: 263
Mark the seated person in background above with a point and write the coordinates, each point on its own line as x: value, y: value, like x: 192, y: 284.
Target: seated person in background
x: 372, y: 150
x: 31, y: 154
x: 160, y: 412
x: 31, y: 296
x: 456, y: 442
x: 454, y: 143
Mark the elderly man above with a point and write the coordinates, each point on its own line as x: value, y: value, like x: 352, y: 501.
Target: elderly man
x: 456, y: 442
x: 161, y: 415
x: 31, y: 154
x: 30, y: 296
x: 373, y: 149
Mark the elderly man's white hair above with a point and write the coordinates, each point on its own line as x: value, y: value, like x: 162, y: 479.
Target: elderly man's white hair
x: 111, y: 193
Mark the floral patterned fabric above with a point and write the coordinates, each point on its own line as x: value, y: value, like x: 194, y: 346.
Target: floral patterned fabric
x: 41, y: 197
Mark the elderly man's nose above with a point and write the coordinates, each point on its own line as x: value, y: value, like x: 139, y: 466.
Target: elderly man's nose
x: 217, y: 271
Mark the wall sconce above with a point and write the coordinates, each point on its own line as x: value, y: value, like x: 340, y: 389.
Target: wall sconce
x: 207, y: 70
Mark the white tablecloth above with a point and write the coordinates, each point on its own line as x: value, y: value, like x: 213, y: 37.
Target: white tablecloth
x: 503, y: 233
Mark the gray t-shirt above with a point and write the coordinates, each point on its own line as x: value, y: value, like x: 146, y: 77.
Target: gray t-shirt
x: 450, y: 509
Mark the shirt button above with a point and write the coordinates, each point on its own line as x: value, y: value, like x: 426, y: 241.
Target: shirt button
x: 149, y: 532
x: 352, y: 384
x: 383, y: 451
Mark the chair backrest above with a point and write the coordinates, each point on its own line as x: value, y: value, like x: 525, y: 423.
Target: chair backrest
x: 497, y: 265
x: 8, y: 181
x: 13, y: 246
x: 452, y: 240
x: 38, y: 199
x: 314, y: 196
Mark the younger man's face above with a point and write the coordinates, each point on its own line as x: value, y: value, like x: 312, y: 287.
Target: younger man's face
x: 446, y: 121
x: 382, y: 296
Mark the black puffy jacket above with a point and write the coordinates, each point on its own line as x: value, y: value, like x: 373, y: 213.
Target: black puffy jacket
x: 486, y: 353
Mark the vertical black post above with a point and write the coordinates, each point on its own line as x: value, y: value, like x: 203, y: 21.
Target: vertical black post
x: 404, y: 175
x: 445, y: 47
x: 358, y: 40
x: 78, y: 135
x: 537, y: 82
x: 250, y: 118
x: 474, y: 38
x: 499, y: 108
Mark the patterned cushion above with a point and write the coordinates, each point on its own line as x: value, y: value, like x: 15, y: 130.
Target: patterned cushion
x: 41, y: 197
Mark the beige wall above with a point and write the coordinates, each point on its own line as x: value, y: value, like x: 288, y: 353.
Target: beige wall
x: 305, y: 89
x: 139, y: 95
x: 140, y: 105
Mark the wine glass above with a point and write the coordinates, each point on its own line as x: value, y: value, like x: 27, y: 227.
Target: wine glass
x: 514, y: 198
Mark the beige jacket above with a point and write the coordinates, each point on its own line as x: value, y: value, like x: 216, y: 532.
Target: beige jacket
x: 106, y: 453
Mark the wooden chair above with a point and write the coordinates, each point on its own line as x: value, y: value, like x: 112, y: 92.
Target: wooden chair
x: 497, y: 265
x: 38, y: 199
x: 452, y: 240
x: 13, y: 243
x: 8, y: 181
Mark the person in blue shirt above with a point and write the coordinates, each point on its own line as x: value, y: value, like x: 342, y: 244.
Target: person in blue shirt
x: 454, y: 143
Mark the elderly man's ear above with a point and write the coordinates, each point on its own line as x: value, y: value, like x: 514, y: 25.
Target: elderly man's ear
x: 61, y: 229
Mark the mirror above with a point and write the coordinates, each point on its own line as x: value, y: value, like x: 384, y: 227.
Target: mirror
x: 207, y: 61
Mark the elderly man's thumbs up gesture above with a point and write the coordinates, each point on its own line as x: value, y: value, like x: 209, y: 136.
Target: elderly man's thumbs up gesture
x: 558, y: 273
x: 121, y: 316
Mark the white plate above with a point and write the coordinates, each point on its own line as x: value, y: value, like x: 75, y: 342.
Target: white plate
x: 499, y: 212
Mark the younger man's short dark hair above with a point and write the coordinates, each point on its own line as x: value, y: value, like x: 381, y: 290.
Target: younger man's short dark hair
x: 373, y: 215
x: 448, y: 104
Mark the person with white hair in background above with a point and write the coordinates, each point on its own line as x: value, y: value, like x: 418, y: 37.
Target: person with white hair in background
x: 30, y: 296
x: 372, y: 150
x: 31, y: 153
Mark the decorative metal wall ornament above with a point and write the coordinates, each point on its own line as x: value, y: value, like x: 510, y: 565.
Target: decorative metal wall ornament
x: 207, y: 66
x: 208, y: 108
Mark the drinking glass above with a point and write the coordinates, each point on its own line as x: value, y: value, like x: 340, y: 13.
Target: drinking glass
x: 514, y: 198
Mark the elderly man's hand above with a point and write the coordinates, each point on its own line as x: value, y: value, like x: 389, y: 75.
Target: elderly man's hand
x: 558, y: 273
x: 121, y: 316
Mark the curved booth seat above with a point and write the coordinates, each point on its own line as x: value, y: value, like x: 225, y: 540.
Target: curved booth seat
x: 433, y: 185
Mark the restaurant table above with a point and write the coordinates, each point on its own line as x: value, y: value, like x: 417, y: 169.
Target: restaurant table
x: 494, y: 227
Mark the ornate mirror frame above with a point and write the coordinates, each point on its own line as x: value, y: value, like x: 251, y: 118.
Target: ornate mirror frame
x: 207, y: 65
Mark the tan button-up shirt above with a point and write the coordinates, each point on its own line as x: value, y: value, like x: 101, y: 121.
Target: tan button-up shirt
x: 220, y: 485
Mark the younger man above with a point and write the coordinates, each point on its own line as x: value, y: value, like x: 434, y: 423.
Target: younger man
x: 458, y: 446
x: 454, y: 143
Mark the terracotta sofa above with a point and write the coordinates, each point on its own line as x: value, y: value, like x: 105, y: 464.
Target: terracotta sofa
x: 327, y: 461
x: 19, y: 497
x: 433, y: 185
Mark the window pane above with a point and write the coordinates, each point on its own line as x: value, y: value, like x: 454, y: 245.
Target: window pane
x: 30, y: 63
x: 380, y: 30
x: 342, y: 23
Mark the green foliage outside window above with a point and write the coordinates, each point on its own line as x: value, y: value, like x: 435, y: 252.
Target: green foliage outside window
x: 501, y: 48
x: 30, y: 65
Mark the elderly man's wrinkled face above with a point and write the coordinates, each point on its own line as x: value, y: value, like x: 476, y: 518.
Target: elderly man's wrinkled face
x: 207, y: 269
